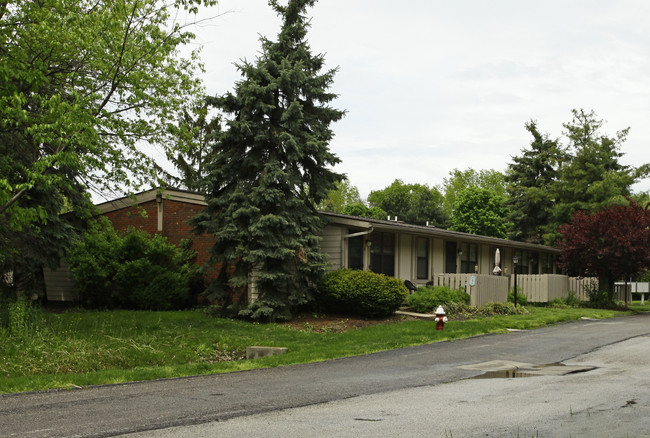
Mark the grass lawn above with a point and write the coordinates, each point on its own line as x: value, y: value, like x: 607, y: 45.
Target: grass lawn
x: 80, y: 348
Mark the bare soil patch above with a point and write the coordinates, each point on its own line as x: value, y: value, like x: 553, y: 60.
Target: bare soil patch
x: 338, y: 323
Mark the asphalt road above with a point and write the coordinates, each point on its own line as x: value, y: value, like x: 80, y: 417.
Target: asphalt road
x: 180, y: 407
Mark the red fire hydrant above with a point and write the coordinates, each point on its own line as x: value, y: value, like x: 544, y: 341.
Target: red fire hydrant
x: 440, y: 318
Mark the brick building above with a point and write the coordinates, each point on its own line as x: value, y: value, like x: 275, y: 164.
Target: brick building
x: 162, y: 211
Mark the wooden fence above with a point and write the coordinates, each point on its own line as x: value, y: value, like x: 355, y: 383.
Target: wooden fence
x: 544, y: 288
x: 541, y: 288
x: 487, y: 288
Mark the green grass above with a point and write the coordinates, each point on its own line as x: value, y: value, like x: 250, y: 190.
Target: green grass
x: 81, y: 348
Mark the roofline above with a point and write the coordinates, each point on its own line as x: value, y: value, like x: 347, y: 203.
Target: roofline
x: 191, y: 197
x: 171, y: 194
x: 379, y: 225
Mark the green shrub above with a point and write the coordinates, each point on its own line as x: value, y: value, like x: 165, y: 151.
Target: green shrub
x: 132, y: 270
x: 521, y: 298
x: 427, y: 299
x: 364, y: 293
x: 572, y: 300
x: 489, y: 309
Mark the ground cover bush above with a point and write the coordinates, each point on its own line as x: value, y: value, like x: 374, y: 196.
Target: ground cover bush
x: 427, y: 299
x: 365, y: 293
x: 131, y: 270
x: 521, y: 298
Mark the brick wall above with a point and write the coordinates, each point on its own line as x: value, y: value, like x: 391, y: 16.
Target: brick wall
x: 143, y: 216
x: 175, y: 227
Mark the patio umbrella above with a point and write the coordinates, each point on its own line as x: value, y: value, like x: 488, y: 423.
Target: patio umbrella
x: 497, y: 262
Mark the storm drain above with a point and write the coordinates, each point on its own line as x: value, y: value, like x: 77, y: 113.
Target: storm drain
x: 504, y: 369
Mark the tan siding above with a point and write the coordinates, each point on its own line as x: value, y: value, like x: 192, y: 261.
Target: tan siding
x: 438, y: 256
x: 332, y: 245
x: 404, y: 257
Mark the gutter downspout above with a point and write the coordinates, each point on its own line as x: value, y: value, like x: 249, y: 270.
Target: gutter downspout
x: 360, y: 233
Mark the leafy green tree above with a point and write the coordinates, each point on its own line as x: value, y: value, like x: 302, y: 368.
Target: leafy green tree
x: 84, y: 84
x: 459, y: 180
x: 593, y: 178
x: 340, y: 197
x: 530, y: 179
x: 480, y: 211
x: 361, y: 210
x: 412, y: 203
x: 270, y: 171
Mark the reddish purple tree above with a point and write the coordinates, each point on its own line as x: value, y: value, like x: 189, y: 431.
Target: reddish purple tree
x: 612, y: 244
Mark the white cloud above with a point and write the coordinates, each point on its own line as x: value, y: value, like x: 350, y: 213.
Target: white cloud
x: 433, y: 85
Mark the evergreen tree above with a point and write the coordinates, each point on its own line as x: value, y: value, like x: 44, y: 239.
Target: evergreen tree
x: 270, y: 170
x: 194, y: 134
x: 529, y: 180
x: 593, y: 178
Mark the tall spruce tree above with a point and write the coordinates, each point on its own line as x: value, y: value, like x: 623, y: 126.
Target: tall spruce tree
x: 529, y: 180
x: 270, y: 170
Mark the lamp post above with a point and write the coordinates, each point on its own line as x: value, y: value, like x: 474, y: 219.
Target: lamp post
x: 515, y: 262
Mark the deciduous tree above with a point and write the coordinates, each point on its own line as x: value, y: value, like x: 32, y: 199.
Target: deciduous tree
x: 340, y: 197
x: 480, y: 211
x: 271, y: 169
x: 460, y: 180
x: 412, y: 203
x: 611, y: 244
x: 84, y: 84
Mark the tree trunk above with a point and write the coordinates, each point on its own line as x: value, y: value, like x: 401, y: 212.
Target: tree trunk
x: 606, y: 284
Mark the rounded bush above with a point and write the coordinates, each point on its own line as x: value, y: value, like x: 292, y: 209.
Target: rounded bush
x: 427, y: 299
x: 363, y: 293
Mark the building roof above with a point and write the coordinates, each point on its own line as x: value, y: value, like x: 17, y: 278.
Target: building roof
x: 150, y: 195
x: 353, y: 221
x: 396, y: 226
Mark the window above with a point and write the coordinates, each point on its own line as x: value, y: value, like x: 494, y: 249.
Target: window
x: 450, y: 257
x: 469, y: 258
x: 382, y: 253
x: 355, y: 252
x: 526, y: 263
x: 547, y: 263
x: 422, y: 252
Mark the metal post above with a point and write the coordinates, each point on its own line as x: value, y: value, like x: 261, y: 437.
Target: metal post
x: 515, y: 262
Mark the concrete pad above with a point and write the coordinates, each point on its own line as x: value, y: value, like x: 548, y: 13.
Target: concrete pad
x: 415, y: 315
x: 255, y: 352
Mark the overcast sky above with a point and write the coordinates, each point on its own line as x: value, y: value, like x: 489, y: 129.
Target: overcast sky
x: 433, y: 85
